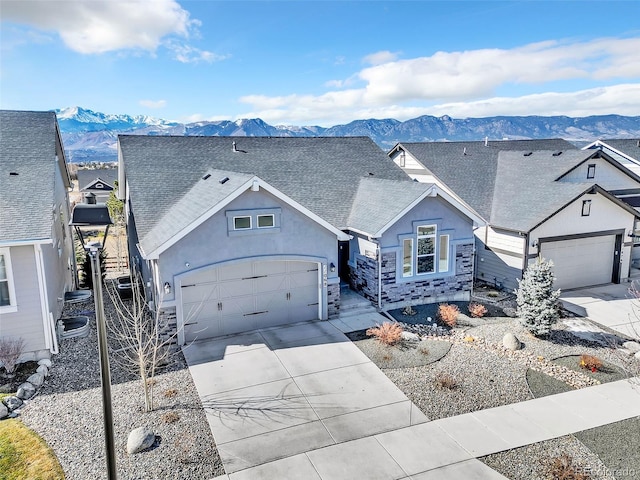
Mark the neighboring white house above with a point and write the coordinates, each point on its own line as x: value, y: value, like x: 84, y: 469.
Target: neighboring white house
x: 36, y: 247
x: 553, y: 204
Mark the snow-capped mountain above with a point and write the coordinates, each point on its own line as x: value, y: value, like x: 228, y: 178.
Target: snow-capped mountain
x: 92, y: 136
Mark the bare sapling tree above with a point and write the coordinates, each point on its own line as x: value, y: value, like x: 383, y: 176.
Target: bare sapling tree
x: 140, y: 346
x: 10, y: 351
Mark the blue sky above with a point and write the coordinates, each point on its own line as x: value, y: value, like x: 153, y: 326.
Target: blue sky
x: 321, y: 62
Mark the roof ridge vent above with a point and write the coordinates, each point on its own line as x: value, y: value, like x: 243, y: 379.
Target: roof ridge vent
x: 528, y: 154
x: 234, y: 147
x: 464, y: 151
x: 223, y: 180
x: 206, y: 176
x: 13, y: 174
x: 557, y: 154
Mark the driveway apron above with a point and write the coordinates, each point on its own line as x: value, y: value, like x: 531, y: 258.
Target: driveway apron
x: 279, y: 392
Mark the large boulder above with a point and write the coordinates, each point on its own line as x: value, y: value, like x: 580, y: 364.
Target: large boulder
x: 12, y: 403
x: 37, y: 379
x: 410, y: 337
x: 511, y: 342
x: 43, y: 370
x: 26, y: 391
x: 140, y: 439
x: 633, y: 347
x: 4, y: 411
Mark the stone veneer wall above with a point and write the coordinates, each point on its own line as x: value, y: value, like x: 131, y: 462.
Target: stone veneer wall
x: 364, y: 278
x: 333, y: 300
x: 169, y: 326
x: 445, y: 289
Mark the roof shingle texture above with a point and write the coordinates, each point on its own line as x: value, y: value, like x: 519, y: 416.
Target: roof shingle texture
x: 27, y: 174
x: 322, y: 174
x: 470, y: 168
x: 628, y: 146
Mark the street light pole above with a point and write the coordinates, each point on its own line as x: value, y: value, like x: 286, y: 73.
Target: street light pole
x: 103, y: 353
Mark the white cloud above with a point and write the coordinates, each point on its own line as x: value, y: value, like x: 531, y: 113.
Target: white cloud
x: 99, y: 26
x: 153, y: 103
x: 379, y: 58
x: 468, y: 84
x: 187, y: 54
x: 621, y: 99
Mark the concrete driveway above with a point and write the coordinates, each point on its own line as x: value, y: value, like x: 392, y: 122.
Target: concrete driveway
x: 282, y: 391
x: 609, y: 305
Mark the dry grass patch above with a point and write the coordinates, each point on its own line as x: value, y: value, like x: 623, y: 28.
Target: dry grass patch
x: 444, y: 381
x: 170, y: 417
x: 387, y: 333
x: 563, y: 468
x: 589, y: 362
x: 23, y: 454
x: 170, y: 393
x: 477, y: 310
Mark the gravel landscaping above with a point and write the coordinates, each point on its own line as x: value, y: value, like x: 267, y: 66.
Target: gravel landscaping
x: 67, y: 413
x: 486, y: 374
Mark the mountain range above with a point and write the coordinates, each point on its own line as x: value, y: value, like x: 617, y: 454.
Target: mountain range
x: 92, y: 136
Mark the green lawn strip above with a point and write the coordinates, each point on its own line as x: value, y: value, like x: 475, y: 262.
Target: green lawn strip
x: 25, y: 455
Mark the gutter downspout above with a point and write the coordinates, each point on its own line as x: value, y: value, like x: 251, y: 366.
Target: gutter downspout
x: 379, y: 276
x: 44, y: 299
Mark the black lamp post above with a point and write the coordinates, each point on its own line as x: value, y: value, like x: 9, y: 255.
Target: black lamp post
x: 97, y: 216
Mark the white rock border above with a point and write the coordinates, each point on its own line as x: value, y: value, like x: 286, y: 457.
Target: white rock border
x: 11, y: 405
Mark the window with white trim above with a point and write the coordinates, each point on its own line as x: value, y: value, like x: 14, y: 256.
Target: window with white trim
x: 242, y: 223
x: 7, y: 292
x: 591, y: 170
x: 407, y: 257
x: 426, y: 249
x: 586, y: 208
x: 443, y: 254
x: 266, y: 221
x: 253, y: 221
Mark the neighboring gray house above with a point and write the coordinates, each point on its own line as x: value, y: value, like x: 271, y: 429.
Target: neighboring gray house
x: 36, y: 247
x: 100, y: 182
x: 239, y: 233
x: 549, y: 203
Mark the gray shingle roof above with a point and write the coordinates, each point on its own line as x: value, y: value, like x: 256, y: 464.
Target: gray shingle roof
x: 86, y: 177
x: 322, y: 174
x: 377, y: 202
x: 526, y: 192
x: 628, y: 146
x: 197, y: 201
x: 27, y: 174
x: 470, y: 168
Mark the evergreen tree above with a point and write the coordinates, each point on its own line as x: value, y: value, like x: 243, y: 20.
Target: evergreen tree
x: 537, y: 300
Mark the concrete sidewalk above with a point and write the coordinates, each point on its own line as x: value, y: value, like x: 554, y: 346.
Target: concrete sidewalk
x: 448, y: 448
x: 609, y: 305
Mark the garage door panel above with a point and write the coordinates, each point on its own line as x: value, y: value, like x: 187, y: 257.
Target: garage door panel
x: 581, y: 262
x: 241, y: 297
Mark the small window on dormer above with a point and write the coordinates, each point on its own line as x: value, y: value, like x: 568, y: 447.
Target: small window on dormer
x: 403, y: 160
x: 586, y: 208
x: 591, y: 170
x: 242, y: 223
x: 99, y: 185
x: 266, y: 221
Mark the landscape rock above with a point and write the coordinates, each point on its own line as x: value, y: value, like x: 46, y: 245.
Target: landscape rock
x: 12, y: 403
x: 511, y: 342
x: 633, y: 347
x: 410, y: 337
x: 638, y: 355
x: 140, y: 439
x: 37, y: 379
x: 43, y: 370
x: 510, y: 312
x: 46, y: 362
x: 26, y: 391
x: 4, y: 411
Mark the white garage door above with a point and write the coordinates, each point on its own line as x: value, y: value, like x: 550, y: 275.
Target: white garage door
x: 245, y: 296
x: 581, y: 262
